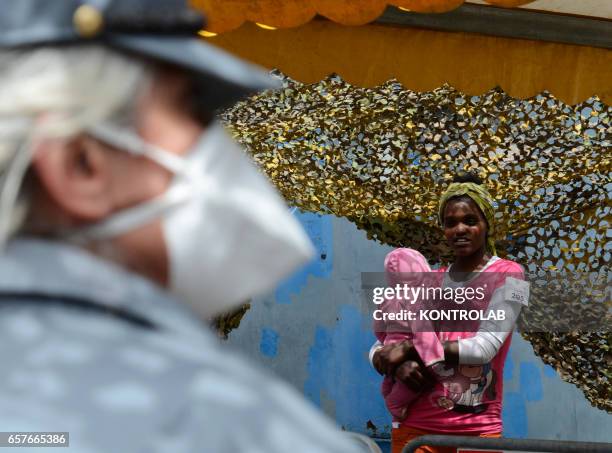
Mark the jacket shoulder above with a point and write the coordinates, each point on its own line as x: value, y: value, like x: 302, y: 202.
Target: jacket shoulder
x: 119, y: 387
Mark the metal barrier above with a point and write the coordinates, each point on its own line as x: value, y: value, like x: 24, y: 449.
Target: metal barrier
x: 488, y: 443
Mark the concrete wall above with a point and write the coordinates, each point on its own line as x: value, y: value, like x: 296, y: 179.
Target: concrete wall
x: 313, y: 332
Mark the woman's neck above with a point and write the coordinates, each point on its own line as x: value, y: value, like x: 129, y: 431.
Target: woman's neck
x: 472, y: 263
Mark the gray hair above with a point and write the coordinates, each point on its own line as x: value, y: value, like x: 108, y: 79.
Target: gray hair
x: 57, y: 92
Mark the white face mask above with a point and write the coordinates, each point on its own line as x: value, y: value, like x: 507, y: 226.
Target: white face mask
x: 228, y: 233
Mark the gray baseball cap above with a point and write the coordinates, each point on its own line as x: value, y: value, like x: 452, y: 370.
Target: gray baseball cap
x: 164, y: 30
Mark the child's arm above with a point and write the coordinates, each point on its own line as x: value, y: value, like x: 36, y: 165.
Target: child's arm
x: 425, y: 338
x: 409, y: 266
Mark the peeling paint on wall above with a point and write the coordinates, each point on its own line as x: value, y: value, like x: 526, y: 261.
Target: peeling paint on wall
x: 319, y: 228
x: 269, y: 342
x: 531, y: 381
x: 339, y: 369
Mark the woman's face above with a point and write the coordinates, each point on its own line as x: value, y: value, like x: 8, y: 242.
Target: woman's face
x: 465, y: 227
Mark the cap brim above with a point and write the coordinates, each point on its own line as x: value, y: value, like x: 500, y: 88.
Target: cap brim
x: 230, y: 79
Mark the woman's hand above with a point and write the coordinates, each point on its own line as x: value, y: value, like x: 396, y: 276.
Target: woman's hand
x: 413, y: 374
x: 388, y: 358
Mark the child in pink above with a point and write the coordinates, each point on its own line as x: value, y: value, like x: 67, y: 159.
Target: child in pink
x: 406, y: 266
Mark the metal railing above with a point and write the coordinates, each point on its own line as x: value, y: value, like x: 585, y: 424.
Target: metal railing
x: 507, y: 444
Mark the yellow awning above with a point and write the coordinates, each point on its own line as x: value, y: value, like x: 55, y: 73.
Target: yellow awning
x: 228, y: 15
x: 423, y: 59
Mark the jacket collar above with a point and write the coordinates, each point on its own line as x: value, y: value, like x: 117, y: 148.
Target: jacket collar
x: 33, y: 266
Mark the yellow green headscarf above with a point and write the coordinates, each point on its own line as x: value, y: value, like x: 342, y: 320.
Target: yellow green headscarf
x: 483, y: 200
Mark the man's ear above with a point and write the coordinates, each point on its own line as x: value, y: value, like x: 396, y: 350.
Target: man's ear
x: 76, y: 175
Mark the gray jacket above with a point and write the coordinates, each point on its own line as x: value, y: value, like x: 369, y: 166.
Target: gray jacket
x: 91, y: 349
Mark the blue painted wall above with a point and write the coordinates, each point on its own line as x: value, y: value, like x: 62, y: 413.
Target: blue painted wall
x: 314, y: 332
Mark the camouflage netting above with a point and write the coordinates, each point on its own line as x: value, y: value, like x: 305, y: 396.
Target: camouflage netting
x: 381, y: 157
x: 227, y: 322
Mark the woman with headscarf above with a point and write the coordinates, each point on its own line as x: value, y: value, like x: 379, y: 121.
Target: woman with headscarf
x: 466, y: 397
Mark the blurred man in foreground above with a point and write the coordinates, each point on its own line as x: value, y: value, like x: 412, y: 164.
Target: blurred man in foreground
x: 128, y: 217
